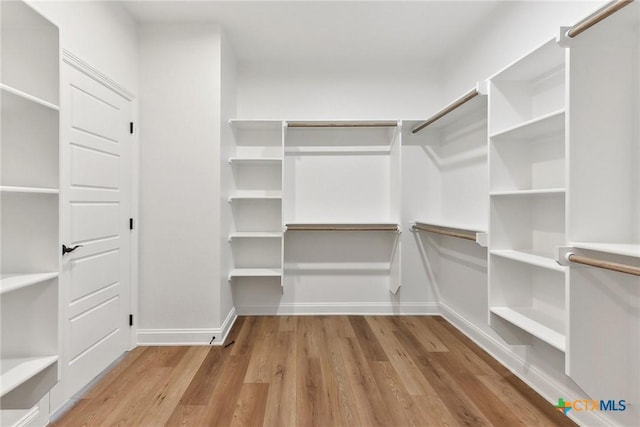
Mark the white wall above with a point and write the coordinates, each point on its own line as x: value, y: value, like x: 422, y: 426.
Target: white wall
x: 179, y: 223
x: 337, y: 90
x: 101, y: 33
x: 513, y: 30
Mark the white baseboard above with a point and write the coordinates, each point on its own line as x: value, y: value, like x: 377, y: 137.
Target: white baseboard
x: 187, y: 336
x: 308, y: 309
x: 540, y: 382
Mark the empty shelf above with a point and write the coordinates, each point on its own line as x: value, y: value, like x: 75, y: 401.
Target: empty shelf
x: 530, y: 258
x: 240, y: 195
x: 255, y: 272
x: 12, y: 282
x: 256, y: 124
x: 37, y: 190
x: 625, y: 249
x: 28, y: 97
x: 17, y: 371
x: 532, y: 129
x: 535, y: 322
x: 342, y: 227
x: 255, y: 234
x: 533, y: 192
x: 255, y: 160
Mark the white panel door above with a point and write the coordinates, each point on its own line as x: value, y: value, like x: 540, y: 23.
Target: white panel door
x: 96, y: 169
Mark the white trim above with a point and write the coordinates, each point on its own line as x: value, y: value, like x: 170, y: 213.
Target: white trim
x: 365, y: 308
x: 187, y: 336
x: 539, y: 381
x: 96, y: 74
x: 28, y: 417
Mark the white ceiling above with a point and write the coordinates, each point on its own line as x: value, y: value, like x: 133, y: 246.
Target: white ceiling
x: 337, y: 30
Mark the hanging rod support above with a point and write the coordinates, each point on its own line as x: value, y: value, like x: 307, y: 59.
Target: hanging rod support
x: 607, y: 265
x: 603, y: 13
x: 449, y: 108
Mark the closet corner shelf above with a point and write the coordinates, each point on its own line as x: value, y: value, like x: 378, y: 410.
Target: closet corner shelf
x: 255, y: 124
x: 17, y: 371
x: 255, y: 195
x: 28, y: 97
x: 13, y: 282
x: 625, y: 249
x: 342, y: 124
x: 254, y: 234
x: 534, y: 192
x: 467, y: 233
x: 342, y: 227
x: 535, y: 322
x: 255, y: 272
x: 546, y: 124
x: 329, y: 149
x: 33, y: 190
x: 530, y: 258
x: 255, y: 160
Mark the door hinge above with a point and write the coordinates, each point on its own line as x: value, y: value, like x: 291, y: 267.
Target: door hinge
x: 130, y: 223
x: 131, y: 320
x: 131, y: 128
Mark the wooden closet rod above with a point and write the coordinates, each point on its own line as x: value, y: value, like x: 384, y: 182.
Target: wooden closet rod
x: 341, y: 124
x: 452, y: 232
x: 449, y: 108
x: 603, y: 13
x: 607, y: 265
x: 342, y: 227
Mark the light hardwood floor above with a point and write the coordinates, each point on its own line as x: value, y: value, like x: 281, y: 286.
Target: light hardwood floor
x: 316, y: 371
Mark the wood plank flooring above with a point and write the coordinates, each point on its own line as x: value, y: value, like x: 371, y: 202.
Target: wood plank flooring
x: 316, y: 371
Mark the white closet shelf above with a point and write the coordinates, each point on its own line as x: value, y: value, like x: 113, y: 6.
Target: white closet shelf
x: 255, y: 124
x: 17, y: 371
x: 255, y: 272
x: 27, y: 97
x: 342, y: 227
x: 35, y: 190
x: 328, y: 149
x: 533, y: 65
x: 13, y: 282
x: 532, y: 192
x: 626, y: 249
x: 245, y: 195
x: 544, y: 125
x: 255, y: 234
x: 462, y: 232
x: 528, y: 257
x: 342, y: 124
x: 536, y: 322
x: 255, y: 160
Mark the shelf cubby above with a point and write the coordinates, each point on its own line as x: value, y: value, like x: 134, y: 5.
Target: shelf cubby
x: 530, y: 157
x: 530, y: 89
x: 531, y: 296
x: 30, y: 52
x: 533, y: 223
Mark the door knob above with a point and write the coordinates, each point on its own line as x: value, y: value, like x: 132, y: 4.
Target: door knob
x: 66, y: 250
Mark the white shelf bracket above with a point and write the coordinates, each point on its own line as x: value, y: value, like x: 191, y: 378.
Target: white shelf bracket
x: 562, y: 255
x: 563, y: 38
x: 483, y: 87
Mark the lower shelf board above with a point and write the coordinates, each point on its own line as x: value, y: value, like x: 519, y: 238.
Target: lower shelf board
x: 17, y: 371
x: 534, y: 322
x: 255, y: 272
x: 13, y: 282
x: 529, y: 257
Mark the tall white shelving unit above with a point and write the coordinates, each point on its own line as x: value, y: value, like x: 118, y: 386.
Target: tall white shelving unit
x: 604, y: 208
x: 527, y: 185
x: 256, y: 199
x: 30, y: 247
x: 342, y: 190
